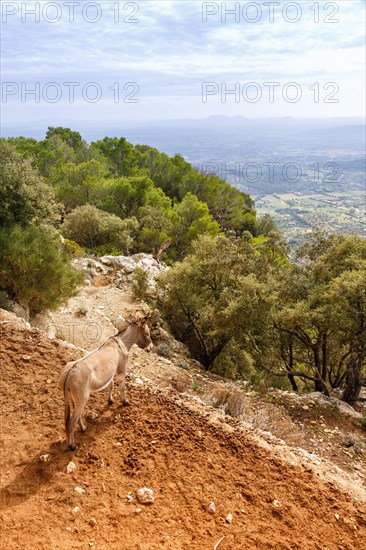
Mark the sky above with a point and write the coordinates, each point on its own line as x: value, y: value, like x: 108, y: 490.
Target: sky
x: 115, y: 62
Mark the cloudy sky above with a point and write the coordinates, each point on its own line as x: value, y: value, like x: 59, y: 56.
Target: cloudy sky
x: 112, y: 62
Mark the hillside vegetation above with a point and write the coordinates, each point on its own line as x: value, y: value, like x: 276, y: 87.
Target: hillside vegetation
x: 232, y: 294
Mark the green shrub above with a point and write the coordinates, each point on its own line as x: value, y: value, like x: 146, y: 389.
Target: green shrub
x: 197, y: 388
x: 34, y: 269
x: 73, y: 248
x: 24, y: 196
x: 140, y: 284
x: 234, y: 363
x: 93, y: 228
x: 164, y: 350
x: 183, y: 365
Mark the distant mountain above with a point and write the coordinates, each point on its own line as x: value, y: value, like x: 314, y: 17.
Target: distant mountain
x: 235, y: 125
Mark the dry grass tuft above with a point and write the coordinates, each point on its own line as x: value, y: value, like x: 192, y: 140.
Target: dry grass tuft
x: 269, y: 418
x: 180, y: 383
x: 231, y: 400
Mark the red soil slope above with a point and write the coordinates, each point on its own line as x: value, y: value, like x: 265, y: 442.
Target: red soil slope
x: 155, y: 443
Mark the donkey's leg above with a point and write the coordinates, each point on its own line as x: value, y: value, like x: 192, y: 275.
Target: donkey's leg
x: 122, y: 389
x: 81, y: 425
x: 110, y: 391
x: 75, y: 418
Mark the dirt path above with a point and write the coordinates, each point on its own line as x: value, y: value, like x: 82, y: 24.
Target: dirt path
x: 157, y: 443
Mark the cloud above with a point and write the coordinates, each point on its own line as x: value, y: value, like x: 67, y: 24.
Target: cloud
x: 169, y: 51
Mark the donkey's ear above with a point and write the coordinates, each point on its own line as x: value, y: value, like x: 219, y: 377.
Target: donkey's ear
x: 140, y: 318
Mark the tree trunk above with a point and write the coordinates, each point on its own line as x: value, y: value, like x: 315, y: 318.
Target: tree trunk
x: 353, y: 380
x: 293, y: 382
x: 291, y: 365
x: 319, y: 383
x: 160, y: 249
x: 324, y: 357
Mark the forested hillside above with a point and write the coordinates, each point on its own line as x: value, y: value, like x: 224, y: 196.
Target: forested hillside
x: 232, y: 295
x: 149, y: 198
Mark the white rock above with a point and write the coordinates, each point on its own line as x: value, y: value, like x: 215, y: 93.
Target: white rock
x: 277, y: 504
x: 76, y: 509
x: 229, y: 518
x: 45, y: 458
x: 128, y: 264
x: 336, y: 516
x: 211, y: 508
x: 345, y: 408
x: 138, y: 510
x: 20, y: 311
x: 145, y: 495
x: 129, y: 497
x: 79, y: 490
x: 70, y: 467
x: 324, y: 401
x: 51, y: 332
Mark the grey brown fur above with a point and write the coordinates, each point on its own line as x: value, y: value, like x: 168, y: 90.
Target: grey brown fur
x: 96, y: 370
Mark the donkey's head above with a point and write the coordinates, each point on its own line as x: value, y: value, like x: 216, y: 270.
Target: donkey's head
x: 143, y: 336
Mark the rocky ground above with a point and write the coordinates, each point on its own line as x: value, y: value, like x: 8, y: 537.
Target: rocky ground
x: 229, y: 468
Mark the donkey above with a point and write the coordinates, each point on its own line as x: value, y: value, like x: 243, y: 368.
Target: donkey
x: 96, y: 370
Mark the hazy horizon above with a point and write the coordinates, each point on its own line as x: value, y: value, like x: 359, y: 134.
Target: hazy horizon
x: 38, y: 131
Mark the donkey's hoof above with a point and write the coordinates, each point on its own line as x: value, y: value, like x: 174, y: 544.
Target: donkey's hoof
x: 110, y: 401
x: 125, y: 403
x: 72, y: 447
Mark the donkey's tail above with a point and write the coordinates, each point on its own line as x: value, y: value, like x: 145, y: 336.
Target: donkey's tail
x: 64, y: 385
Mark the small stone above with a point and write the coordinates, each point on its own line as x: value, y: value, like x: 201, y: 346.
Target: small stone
x: 26, y: 357
x: 336, y: 516
x: 211, y: 509
x: 145, y: 495
x: 76, y: 509
x: 129, y: 497
x: 68, y: 529
x: 138, y: 510
x: 79, y: 490
x: 70, y: 467
x: 229, y: 518
x: 139, y: 381
x: 49, y: 381
x: 45, y: 458
x: 276, y: 503
x: 305, y: 408
x: 92, y: 522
